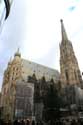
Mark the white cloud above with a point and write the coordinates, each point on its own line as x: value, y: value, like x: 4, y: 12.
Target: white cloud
x: 34, y: 25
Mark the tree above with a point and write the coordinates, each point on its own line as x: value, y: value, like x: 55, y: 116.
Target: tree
x: 52, y: 104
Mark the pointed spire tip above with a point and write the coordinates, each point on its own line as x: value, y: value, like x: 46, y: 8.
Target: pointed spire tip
x: 61, y: 20
x: 63, y: 31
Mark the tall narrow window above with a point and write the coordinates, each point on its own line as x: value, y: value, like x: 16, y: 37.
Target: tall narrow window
x: 66, y: 74
x: 75, y: 75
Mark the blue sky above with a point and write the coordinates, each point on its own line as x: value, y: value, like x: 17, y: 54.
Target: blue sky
x: 34, y: 26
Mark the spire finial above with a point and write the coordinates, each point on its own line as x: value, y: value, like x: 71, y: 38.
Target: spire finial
x: 61, y: 20
x: 10, y: 61
x: 18, y: 53
x: 63, y: 31
x: 18, y: 50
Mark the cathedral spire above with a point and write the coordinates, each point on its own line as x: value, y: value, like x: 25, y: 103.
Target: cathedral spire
x: 63, y: 31
x: 70, y: 72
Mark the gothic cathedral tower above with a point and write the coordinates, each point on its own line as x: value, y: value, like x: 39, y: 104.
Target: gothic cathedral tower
x: 70, y: 72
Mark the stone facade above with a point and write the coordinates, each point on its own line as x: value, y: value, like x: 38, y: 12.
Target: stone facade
x: 24, y: 101
x: 70, y: 72
x: 19, y: 86
x: 25, y: 82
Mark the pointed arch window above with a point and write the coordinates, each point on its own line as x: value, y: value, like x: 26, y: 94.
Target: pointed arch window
x: 75, y: 74
x: 67, y: 76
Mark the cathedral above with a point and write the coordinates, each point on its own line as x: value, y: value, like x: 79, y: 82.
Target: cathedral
x: 24, y: 82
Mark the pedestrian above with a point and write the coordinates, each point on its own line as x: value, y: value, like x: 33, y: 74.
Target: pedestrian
x: 1, y: 122
x: 27, y: 122
x: 19, y: 122
x: 73, y: 122
x: 41, y: 123
x: 33, y: 122
x: 15, y: 122
x: 9, y: 122
x: 22, y: 122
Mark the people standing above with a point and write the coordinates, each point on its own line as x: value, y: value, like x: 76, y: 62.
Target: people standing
x: 33, y: 122
x: 27, y: 122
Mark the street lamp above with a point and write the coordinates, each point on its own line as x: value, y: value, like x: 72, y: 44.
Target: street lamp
x: 7, y: 7
x: 4, y: 10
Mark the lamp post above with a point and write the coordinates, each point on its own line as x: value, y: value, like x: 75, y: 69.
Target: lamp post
x: 4, y: 10
x: 7, y: 6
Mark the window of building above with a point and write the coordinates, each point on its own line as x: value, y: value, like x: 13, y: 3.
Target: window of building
x: 13, y: 68
x: 75, y: 75
x: 66, y: 74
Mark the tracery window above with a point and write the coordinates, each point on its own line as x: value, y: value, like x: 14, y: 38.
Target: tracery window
x: 66, y: 74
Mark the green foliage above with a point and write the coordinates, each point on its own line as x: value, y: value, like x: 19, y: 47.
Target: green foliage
x: 52, y: 99
x: 52, y: 104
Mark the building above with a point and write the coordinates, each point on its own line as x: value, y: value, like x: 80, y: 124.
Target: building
x: 70, y: 72
x: 70, y: 75
x: 25, y: 82
x: 18, y: 86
